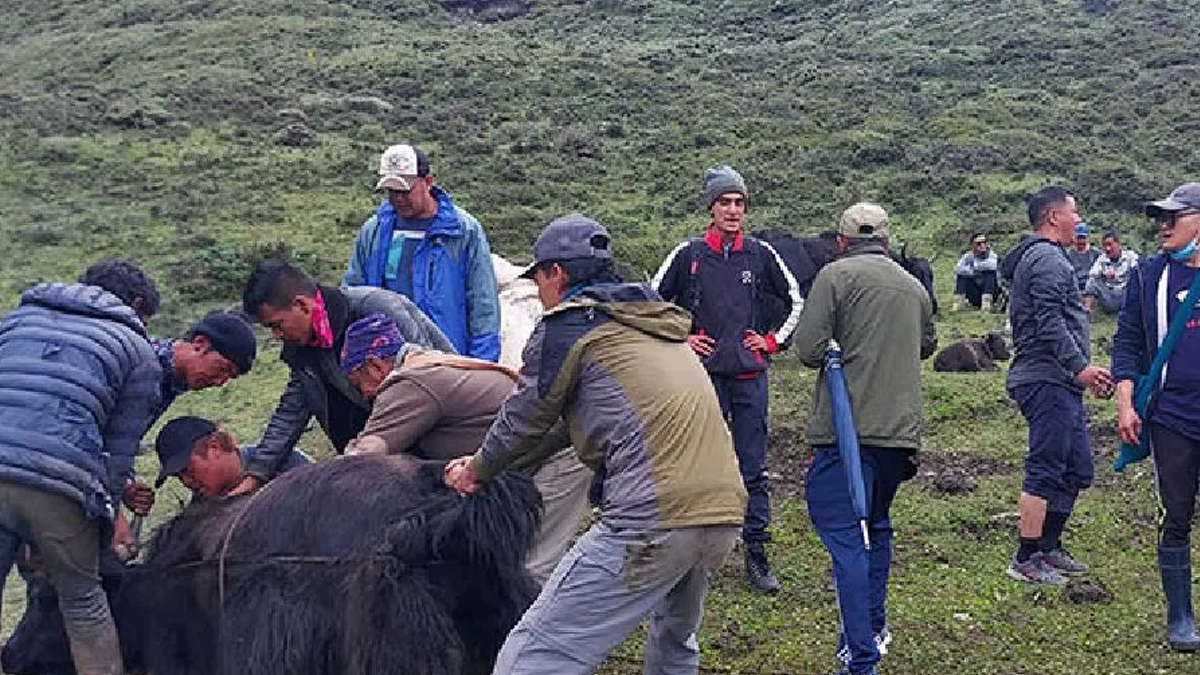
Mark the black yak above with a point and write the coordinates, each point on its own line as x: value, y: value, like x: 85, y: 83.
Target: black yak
x: 356, y: 566
x: 805, y: 256
x: 972, y: 356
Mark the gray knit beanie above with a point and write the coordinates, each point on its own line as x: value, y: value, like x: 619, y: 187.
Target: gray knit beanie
x: 721, y: 180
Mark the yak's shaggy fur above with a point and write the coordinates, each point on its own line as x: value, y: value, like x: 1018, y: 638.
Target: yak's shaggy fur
x: 361, y: 565
x: 972, y: 356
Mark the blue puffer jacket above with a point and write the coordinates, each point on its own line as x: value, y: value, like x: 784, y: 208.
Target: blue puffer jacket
x: 79, y: 384
x: 453, y: 281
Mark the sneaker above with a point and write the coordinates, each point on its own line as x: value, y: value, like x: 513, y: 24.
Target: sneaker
x: 882, y: 639
x: 758, y: 571
x: 1062, y: 561
x: 1035, y: 571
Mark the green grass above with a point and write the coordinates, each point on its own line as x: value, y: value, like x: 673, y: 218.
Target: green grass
x: 146, y: 129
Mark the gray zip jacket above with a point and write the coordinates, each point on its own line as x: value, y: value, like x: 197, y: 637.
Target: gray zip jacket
x: 1050, y: 325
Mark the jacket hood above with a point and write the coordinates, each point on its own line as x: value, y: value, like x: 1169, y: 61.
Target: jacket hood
x: 1008, y: 264
x: 84, y: 300
x: 638, y: 306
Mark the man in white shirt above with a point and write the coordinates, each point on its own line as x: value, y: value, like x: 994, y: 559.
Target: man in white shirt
x: 1108, y: 276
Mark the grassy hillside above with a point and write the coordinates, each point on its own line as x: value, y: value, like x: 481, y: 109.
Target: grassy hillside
x: 195, y: 137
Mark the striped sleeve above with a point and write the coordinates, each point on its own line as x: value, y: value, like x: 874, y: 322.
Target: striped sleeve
x: 784, y: 332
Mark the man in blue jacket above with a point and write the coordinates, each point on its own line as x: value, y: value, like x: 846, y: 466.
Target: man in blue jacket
x: 1049, y: 373
x: 1154, y: 295
x: 79, y: 386
x: 422, y: 245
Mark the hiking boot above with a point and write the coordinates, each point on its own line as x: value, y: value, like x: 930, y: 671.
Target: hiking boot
x: 959, y: 301
x: 985, y: 302
x: 882, y: 639
x: 1062, y: 561
x: 847, y: 671
x: 758, y: 570
x: 1035, y: 571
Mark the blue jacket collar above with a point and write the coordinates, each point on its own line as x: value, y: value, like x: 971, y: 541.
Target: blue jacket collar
x: 444, y: 223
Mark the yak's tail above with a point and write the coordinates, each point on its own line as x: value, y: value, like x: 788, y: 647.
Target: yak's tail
x: 495, y: 527
x: 490, y: 534
x: 394, y: 622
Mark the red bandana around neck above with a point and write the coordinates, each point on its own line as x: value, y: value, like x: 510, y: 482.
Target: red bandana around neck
x: 322, y: 332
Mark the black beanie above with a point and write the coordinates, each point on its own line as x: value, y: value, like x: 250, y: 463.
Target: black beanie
x: 231, y: 336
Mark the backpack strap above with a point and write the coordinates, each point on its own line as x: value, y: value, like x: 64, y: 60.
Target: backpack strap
x: 692, y: 294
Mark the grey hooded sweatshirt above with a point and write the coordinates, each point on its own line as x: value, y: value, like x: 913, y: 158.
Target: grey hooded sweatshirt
x: 1050, y: 326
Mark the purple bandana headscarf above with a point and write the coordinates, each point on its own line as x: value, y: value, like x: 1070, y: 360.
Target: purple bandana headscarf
x: 373, y: 336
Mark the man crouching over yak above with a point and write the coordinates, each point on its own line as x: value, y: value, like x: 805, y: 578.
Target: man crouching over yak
x: 612, y: 359
x: 435, y: 405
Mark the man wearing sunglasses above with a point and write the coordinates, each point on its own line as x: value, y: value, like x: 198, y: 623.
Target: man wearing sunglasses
x: 1155, y: 294
x: 420, y: 244
x: 975, y: 276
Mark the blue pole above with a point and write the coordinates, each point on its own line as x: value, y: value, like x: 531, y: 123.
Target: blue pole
x: 847, y: 435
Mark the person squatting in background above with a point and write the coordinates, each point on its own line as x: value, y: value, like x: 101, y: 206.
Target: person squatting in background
x: 975, y: 276
x: 1108, y: 276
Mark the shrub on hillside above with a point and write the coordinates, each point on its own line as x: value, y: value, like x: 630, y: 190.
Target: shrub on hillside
x: 216, y: 271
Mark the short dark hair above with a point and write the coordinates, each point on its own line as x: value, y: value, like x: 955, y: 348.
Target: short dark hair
x: 1040, y: 202
x: 126, y: 281
x: 976, y: 235
x: 275, y: 283
x: 1111, y: 234
x: 582, y: 270
x: 422, y: 161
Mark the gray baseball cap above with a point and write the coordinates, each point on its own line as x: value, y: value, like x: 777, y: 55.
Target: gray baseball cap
x: 572, y: 237
x: 1182, y: 198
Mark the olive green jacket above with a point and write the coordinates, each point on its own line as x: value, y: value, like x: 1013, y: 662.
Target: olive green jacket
x: 639, y: 406
x: 883, y: 319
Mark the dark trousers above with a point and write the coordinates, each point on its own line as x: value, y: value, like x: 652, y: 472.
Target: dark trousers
x: 1059, y: 464
x: 68, y: 542
x: 861, y: 575
x: 974, y: 287
x: 744, y: 406
x: 1176, y: 470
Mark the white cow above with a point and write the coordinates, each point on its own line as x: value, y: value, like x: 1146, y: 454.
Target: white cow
x: 520, y: 310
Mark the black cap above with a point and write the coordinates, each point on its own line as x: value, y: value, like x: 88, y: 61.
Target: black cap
x: 175, y: 442
x: 231, y: 336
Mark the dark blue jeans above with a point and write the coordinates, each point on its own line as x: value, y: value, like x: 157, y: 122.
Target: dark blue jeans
x: 861, y: 575
x: 744, y: 405
x: 973, y: 287
x: 1059, y: 464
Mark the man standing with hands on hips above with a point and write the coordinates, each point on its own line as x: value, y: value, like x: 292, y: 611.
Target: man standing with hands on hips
x: 734, y: 286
